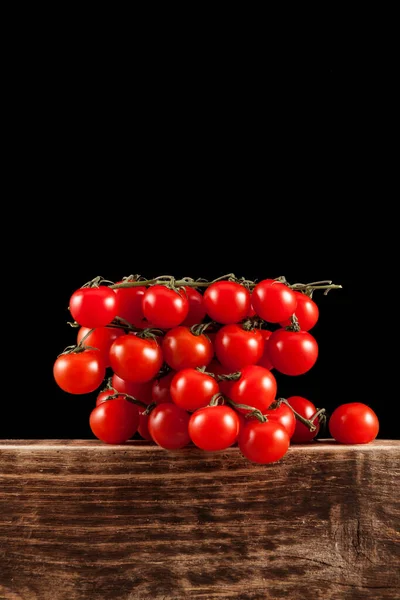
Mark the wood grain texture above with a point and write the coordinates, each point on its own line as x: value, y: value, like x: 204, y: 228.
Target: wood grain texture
x: 80, y: 520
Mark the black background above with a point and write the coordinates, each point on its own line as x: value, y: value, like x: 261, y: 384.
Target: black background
x: 195, y: 176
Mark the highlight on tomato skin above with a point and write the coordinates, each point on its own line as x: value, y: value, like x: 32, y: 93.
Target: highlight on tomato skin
x: 79, y: 372
x: 214, y: 428
x: 263, y: 443
x: 93, y: 307
x: 273, y: 301
x: 292, y: 352
x: 353, y: 423
x: 227, y: 302
x: 164, y: 307
x: 307, y: 312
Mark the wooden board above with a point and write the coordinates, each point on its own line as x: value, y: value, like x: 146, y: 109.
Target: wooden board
x: 80, y: 520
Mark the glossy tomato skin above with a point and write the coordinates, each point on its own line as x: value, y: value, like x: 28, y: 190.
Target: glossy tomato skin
x: 115, y: 421
x: 256, y: 387
x: 169, y: 426
x: 140, y: 391
x: 79, y: 373
x: 292, y: 352
x: 101, y: 338
x: 273, y: 301
x: 160, y: 388
x: 165, y: 308
x: 143, y: 428
x: 236, y: 348
x: 197, y: 310
x: 354, y: 423
x: 129, y: 305
x: 182, y: 349
x: 263, y: 443
x: 283, y: 415
x: 265, y: 360
x: 135, y: 359
x: 227, y: 302
x: 214, y: 427
x: 192, y: 389
x: 93, y: 307
x: 306, y: 409
x: 307, y: 312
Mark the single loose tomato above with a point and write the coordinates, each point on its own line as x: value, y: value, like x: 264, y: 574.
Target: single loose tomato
x: 307, y: 312
x: 256, y: 387
x: 263, y: 442
x: 236, y: 348
x: 283, y: 415
x: 192, y: 389
x: 273, y: 301
x: 353, y: 423
x: 160, y: 388
x: 79, y: 372
x: 114, y: 422
x: 135, y: 359
x: 214, y: 427
x: 306, y: 409
x: 227, y: 302
x: 129, y: 305
x: 101, y: 338
x: 169, y: 426
x: 265, y: 360
x: 292, y: 352
x: 165, y: 308
x: 93, y: 307
x: 197, y: 310
x: 183, y: 349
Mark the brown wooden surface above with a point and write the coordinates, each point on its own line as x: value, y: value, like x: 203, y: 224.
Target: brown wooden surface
x: 87, y: 521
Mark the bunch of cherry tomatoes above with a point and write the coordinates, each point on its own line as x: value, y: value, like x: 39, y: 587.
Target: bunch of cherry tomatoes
x: 192, y: 367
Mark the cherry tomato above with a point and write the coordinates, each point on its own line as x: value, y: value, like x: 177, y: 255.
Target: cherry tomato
x: 168, y: 426
x: 100, y: 338
x: 104, y: 396
x: 140, y: 391
x: 236, y: 348
x: 273, y: 301
x: 93, y: 307
x: 307, y: 312
x: 283, y: 415
x: 197, y: 310
x: 129, y: 305
x: 143, y: 428
x: 160, y: 390
x: 183, y: 349
x: 227, y: 302
x: 164, y: 307
x: 256, y: 387
x: 214, y: 427
x: 265, y: 360
x: 306, y: 409
x: 263, y: 442
x: 80, y: 372
x: 135, y: 359
x: 192, y: 389
x: 292, y: 352
x: 216, y: 368
x: 114, y: 422
x: 354, y: 423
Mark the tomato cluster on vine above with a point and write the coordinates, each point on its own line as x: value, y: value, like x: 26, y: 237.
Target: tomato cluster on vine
x: 183, y: 367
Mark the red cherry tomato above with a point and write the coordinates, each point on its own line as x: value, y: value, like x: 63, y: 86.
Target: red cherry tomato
x: 307, y: 312
x: 93, y: 307
x: 197, y: 310
x: 256, y: 387
x: 263, y: 442
x: 160, y: 390
x: 292, y: 352
x: 227, y: 302
x: 135, y: 359
x: 164, y: 307
x: 79, y: 373
x: 140, y: 391
x: 169, y: 426
x: 265, y: 360
x: 143, y: 428
x: 273, y: 301
x: 129, y: 305
x: 283, y: 415
x: 236, y: 348
x: 192, y: 389
x: 214, y: 427
x: 114, y: 422
x: 101, y: 338
x: 354, y: 423
x: 104, y: 396
x: 183, y: 349
x: 306, y: 409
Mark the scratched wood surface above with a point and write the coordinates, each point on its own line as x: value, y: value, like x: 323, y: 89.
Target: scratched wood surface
x: 80, y: 520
